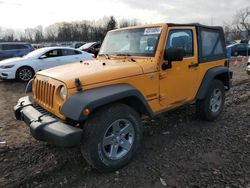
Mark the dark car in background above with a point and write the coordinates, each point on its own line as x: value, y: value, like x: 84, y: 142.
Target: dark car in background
x: 242, y: 49
x: 91, y: 47
x: 230, y: 42
x: 14, y: 49
x: 77, y: 44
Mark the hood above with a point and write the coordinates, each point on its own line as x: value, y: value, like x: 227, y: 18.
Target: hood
x: 91, y: 72
x: 11, y: 61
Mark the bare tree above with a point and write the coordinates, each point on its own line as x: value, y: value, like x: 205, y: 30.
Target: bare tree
x: 128, y: 22
x: 84, y: 30
x: 0, y: 33
x: 242, y: 20
x: 29, y: 34
x: 112, y: 23
x: 38, y: 34
x: 51, y: 32
x: 9, y: 35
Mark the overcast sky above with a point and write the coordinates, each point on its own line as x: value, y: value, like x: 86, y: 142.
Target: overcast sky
x: 30, y: 13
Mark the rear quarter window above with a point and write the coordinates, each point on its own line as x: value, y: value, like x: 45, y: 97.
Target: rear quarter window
x: 211, y: 44
x: 77, y: 52
x: 66, y: 52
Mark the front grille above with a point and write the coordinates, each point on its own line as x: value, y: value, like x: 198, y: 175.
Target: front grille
x: 44, y: 93
x: 43, y: 111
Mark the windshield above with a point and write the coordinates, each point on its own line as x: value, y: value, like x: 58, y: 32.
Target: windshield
x: 35, y: 53
x: 87, y: 45
x: 132, y: 42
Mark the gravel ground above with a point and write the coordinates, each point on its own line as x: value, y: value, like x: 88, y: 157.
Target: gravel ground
x: 178, y: 150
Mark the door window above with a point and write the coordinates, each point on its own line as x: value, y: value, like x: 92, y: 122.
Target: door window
x: 53, y: 53
x: 182, y: 39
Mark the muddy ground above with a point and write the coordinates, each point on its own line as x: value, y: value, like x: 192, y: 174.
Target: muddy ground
x: 178, y: 150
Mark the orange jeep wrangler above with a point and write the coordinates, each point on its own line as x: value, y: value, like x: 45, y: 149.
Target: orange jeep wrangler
x: 139, y: 71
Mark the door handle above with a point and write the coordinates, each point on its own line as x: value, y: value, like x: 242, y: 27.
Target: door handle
x: 193, y: 65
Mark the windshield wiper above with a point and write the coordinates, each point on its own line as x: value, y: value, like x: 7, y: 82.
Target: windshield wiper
x: 105, y: 55
x: 122, y: 54
x: 127, y: 55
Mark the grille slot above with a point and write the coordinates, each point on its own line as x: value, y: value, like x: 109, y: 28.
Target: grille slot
x: 44, y: 93
x: 43, y: 111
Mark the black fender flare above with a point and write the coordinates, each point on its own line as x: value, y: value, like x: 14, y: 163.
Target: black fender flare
x: 97, y: 97
x: 221, y: 73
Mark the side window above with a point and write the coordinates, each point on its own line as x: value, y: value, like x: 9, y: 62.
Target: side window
x: 1, y: 47
x: 211, y: 43
x: 181, y: 39
x: 66, y: 52
x: 53, y: 53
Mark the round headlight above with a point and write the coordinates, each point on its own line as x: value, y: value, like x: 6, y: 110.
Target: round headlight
x: 63, y: 93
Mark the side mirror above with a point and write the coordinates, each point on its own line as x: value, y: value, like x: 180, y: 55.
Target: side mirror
x: 172, y: 54
x: 43, y: 56
x: 92, y: 49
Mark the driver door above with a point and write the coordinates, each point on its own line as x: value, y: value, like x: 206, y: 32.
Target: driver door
x: 51, y: 59
x: 178, y: 82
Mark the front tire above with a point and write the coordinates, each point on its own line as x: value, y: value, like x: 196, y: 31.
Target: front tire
x: 212, y: 105
x: 24, y: 74
x: 111, y: 137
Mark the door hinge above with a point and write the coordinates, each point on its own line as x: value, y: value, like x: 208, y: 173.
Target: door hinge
x: 193, y: 65
x: 161, y: 97
x: 162, y: 75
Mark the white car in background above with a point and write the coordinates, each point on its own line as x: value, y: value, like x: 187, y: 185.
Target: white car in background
x: 24, y: 68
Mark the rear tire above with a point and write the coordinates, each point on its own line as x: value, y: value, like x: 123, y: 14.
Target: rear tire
x: 212, y: 105
x: 25, y: 74
x: 111, y: 137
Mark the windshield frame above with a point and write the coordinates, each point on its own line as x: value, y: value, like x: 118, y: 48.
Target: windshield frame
x: 142, y: 54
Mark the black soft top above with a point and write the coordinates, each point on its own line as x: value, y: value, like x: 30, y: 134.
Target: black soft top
x: 196, y: 25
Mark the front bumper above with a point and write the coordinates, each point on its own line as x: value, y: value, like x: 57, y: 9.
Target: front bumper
x: 45, y: 127
x: 7, y: 74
